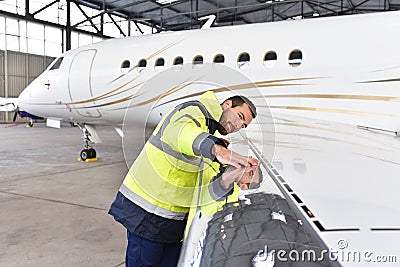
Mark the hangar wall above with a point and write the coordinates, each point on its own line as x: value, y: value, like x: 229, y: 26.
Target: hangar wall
x: 22, y: 69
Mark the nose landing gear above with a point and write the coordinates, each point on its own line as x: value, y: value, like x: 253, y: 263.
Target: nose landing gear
x: 88, y: 153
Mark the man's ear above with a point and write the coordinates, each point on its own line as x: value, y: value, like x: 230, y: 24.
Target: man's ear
x: 227, y: 103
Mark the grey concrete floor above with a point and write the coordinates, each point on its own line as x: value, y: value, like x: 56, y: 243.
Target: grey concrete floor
x: 53, y: 208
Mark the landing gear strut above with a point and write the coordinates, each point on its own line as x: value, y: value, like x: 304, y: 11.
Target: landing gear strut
x: 88, y: 152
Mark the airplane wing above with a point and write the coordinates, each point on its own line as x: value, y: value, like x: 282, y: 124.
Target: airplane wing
x: 347, y: 177
x: 340, y: 183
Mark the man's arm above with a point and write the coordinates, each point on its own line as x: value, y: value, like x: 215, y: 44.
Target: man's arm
x: 186, y: 136
x: 229, y: 157
x: 222, y: 184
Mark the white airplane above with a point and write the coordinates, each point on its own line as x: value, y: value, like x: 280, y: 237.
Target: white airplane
x: 327, y: 90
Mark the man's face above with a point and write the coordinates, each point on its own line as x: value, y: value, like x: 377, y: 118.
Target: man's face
x: 233, y: 119
x: 249, y: 176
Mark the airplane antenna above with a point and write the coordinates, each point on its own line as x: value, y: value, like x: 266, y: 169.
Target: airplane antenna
x: 210, y: 20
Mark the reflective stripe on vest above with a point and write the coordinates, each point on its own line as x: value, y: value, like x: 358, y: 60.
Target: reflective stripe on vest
x: 138, y: 200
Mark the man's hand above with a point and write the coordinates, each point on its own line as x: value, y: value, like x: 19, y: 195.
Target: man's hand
x: 229, y: 157
x: 231, y: 175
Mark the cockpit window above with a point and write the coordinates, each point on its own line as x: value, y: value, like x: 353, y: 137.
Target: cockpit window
x: 57, y: 64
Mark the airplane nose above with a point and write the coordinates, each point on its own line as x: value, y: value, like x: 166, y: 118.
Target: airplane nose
x: 23, y: 99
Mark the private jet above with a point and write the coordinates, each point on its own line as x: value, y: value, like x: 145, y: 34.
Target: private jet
x: 327, y: 90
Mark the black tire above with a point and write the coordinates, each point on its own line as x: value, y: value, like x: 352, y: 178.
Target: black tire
x: 92, y: 153
x: 30, y: 124
x: 85, y: 154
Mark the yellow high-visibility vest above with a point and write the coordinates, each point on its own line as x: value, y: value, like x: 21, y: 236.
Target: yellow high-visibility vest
x: 212, y: 206
x: 163, y: 177
x: 204, y: 202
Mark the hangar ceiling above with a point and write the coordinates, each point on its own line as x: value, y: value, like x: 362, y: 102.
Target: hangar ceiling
x: 175, y: 15
x: 184, y: 14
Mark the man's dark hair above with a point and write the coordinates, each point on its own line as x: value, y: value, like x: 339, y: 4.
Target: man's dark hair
x: 255, y: 185
x: 238, y: 100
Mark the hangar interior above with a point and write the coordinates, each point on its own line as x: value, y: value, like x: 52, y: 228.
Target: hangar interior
x: 54, y: 208
x: 33, y: 33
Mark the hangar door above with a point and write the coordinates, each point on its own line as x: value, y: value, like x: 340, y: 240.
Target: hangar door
x: 79, y: 84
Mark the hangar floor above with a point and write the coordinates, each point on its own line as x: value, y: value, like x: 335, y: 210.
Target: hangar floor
x: 53, y: 207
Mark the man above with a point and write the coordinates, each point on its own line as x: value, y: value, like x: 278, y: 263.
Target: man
x: 223, y: 188
x: 154, y: 200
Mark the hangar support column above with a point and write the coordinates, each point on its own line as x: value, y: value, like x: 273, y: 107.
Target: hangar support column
x: 68, y: 27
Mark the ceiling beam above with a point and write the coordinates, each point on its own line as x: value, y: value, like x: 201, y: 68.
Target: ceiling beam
x: 87, y: 17
x: 117, y: 11
x: 55, y: 25
x: 116, y: 25
x: 46, y: 6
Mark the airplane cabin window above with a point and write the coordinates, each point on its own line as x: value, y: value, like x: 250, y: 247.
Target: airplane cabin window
x: 295, y: 58
x: 270, y: 59
x: 57, y: 63
x: 198, y: 60
x: 159, y: 66
x: 243, y: 60
x: 219, y: 58
x: 142, y: 65
x: 160, y: 62
x: 178, y: 61
x: 126, y: 64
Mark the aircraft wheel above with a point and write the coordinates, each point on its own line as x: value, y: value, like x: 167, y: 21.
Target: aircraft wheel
x: 92, y: 153
x: 85, y: 154
x: 30, y: 124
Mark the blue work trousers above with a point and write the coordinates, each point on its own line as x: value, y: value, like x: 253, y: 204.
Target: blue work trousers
x: 145, y: 253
